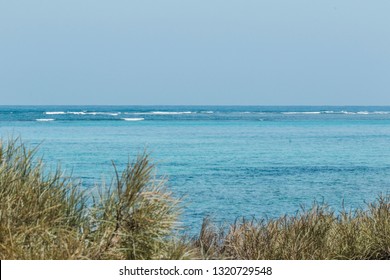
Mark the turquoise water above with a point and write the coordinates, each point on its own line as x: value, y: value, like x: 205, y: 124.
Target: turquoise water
x: 226, y: 162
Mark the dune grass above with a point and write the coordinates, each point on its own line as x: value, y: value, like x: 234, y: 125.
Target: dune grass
x: 45, y: 215
x: 317, y: 233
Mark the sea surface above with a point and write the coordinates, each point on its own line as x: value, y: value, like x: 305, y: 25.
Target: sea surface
x: 224, y: 161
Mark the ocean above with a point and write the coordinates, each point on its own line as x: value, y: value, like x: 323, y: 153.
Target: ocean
x: 225, y: 162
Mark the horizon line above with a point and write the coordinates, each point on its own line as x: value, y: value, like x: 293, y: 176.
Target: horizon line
x: 198, y: 105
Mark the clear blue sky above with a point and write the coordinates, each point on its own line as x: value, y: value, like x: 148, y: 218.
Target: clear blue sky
x: 253, y: 52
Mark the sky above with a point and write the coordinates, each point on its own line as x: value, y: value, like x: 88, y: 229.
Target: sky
x: 194, y: 52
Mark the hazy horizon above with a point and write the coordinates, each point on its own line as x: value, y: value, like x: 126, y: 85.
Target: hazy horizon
x: 199, y: 105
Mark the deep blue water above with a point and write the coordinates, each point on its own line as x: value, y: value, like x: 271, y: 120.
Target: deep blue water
x: 227, y: 162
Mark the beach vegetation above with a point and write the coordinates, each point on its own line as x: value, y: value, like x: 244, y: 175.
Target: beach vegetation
x: 46, y: 215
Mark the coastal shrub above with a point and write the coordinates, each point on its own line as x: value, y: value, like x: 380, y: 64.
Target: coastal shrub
x: 363, y: 234
x: 134, y: 217
x: 44, y: 215
x: 317, y: 233
x: 209, y: 242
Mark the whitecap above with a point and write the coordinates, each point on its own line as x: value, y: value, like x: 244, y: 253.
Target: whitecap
x: 77, y: 113
x: 55, y: 113
x: 253, y: 112
x: 133, y: 119
x: 170, y: 113
x: 381, y: 112
x: 44, y: 120
x: 160, y: 113
x: 102, y: 113
x: 297, y: 113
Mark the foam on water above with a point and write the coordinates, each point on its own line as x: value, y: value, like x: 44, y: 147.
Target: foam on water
x: 102, y: 113
x: 133, y: 119
x: 93, y: 113
x: 44, y: 120
x: 299, y: 113
x: 77, y: 113
x: 160, y: 113
x: 348, y: 113
x: 381, y: 113
x: 55, y: 113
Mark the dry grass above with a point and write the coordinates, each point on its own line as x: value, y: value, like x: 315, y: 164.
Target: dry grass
x: 134, y: 217
x: 39, y: 213
x: 46, y: 216
x: 317, y: 233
